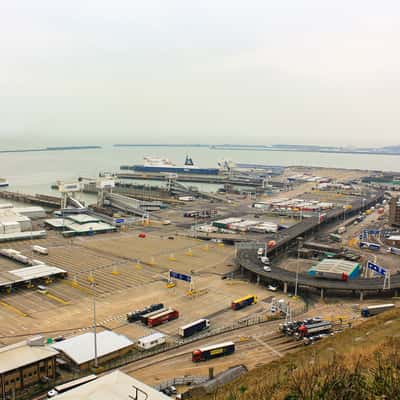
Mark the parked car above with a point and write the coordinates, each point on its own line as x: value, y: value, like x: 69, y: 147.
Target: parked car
x: 265, y: 260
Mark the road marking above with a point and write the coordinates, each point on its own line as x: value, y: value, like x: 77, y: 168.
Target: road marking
x: 267, y: 346
x: 13, y: 309
x: 57, y: 299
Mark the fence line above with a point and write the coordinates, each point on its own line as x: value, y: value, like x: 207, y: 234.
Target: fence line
x: 182, y: 380
x: 214, y: 332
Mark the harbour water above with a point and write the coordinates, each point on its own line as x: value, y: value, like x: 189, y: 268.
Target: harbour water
x: 35, y: 172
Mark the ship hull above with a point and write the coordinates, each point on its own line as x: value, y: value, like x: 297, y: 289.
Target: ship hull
x: 175, y: 170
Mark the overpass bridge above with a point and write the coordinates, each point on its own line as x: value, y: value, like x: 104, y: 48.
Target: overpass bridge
x: 246, y: 255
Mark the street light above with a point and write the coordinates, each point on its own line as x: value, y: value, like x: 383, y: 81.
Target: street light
x: 299, y: 241
x: 96, y: 362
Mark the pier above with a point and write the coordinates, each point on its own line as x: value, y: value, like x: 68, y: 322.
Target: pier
x: 38, y: 199
x: 216, y: 179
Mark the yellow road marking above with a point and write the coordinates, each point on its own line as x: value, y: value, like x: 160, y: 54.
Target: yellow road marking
x: 13, y: 309
x: 76, y: 285
x: 58, y: 299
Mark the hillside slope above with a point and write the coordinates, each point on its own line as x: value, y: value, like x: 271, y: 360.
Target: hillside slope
x: 361, y: 363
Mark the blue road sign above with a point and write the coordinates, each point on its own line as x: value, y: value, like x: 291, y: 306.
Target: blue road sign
x: 179, y: 276
x: 120, y: 221
x: 374, y: 231
x: 376, y: 268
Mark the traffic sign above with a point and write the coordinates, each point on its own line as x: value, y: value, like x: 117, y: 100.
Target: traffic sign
x: 376, y: 268
x: 374, y: 231
x: 179, y: 276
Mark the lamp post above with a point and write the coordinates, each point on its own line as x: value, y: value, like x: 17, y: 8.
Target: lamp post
x: 299, y: 242
x: 96, y: 361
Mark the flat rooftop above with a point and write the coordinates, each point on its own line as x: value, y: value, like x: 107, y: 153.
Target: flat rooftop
x: 337, y: 266
x: 27, y: 274
x: 82, y: 218
x: 114, y: 386
x: 20, y: 354
x: 80, y: 348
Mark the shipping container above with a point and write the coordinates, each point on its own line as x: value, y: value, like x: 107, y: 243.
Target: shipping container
x: 370, y: 246
x: 144, y: 317
x: 306, y: 330
x: 394, y: 250
x: 135, y: 315
x: 148, y: 342
x: 40, y: 250
x: 193, y: 327
x: 244, y: 302
x: 216, y: 350
x: 374, y: 310
x: 162, y: 317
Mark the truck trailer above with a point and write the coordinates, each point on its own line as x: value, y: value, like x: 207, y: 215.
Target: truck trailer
x: 216, y: 350
x: 193, y: 327
x: 145, y: 317
x: 40, y: 250
x: 135, y: 315
x: 374, y: 310
x: 244, y: 302
x: 314, y: 328
x: 394, y: 250
x: 370, y: 246
x: 162, y: 317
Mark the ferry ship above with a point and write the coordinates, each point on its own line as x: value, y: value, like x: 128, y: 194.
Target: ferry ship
x: 152, y: 164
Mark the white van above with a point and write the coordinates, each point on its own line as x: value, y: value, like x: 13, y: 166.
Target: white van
x: 42, y: 289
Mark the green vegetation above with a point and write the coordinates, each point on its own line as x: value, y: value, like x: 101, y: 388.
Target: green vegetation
x: 362, y: 363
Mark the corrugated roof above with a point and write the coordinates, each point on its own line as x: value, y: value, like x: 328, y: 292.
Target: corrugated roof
x: 335, y: 266
x: 36, y: 271
x: 88, y: 226
x: 113, y: 386
x: 82, y: 218
x: 80, y: 349
x: 22, y: 235
x: 21, y: 354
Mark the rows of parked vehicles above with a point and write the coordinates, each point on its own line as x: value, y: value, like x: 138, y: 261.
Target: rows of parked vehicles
x: 308, y: 330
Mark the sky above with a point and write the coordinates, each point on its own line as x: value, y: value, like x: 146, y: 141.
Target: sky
x: 210, y: 71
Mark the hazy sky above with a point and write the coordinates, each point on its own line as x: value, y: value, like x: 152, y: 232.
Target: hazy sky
x: 222, y: 71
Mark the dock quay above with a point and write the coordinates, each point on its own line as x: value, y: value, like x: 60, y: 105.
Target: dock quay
x: 144, y: 193
x: 39, y: 199
x: 216, y: 179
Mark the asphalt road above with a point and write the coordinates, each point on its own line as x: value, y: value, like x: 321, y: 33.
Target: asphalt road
x: 248, y: 260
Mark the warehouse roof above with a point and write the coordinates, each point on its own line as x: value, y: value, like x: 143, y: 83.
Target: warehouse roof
x: 82, y: 218
x: 20, y: 354
x: 88, y: 226
x: 80, y: 349
x: 22, y: 235
x: 82, y: 226
x: 113, y: 386
x: 27, y: 274
x: 335, y: 265
x: 36, y: 271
